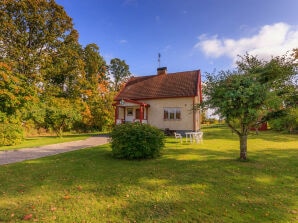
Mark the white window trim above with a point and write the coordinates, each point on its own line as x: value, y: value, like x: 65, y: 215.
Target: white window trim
x: 171, y: 110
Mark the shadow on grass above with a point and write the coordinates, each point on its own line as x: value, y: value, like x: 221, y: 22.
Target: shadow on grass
x: 184, y: 185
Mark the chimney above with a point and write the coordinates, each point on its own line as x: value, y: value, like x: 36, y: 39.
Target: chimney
x: 161, y: 70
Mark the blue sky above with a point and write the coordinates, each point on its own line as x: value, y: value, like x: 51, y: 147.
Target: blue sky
x: 189, y: 34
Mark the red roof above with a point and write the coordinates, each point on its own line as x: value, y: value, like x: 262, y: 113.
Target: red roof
x: 181, y: 84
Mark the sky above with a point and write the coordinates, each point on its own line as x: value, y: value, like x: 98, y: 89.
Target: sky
x: 188, y: 34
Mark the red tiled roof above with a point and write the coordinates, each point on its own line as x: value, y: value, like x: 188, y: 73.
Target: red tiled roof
x: 181, y: 84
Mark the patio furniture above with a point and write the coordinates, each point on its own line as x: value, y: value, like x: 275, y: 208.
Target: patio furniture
x: 194, y: 136
x: 198, y: 137
x: 188, y: 135
x: 178, y: 136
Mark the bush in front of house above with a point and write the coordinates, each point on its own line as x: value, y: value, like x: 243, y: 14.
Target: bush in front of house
x: 136, y: 141
x: 11, y: 134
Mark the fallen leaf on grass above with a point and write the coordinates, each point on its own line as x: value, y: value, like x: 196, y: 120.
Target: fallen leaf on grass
x: 27, y: 217
x: 53, y: 208
x: 67, y: 197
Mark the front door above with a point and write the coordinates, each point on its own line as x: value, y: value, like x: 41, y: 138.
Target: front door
x: 138, y: 112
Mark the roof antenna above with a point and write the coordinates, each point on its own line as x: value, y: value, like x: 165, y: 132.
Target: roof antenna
x: 159, y: 55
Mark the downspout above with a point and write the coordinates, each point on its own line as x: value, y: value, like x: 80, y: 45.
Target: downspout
x: 193, y: 115
x: 200, y: 86
x: 200, y: 95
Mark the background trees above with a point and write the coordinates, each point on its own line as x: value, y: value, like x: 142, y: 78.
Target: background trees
x: 47, y: 79
x: 120, y: 73
x: 254, y: 93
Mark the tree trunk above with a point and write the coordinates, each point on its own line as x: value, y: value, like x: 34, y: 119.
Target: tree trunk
x: 243, y: 147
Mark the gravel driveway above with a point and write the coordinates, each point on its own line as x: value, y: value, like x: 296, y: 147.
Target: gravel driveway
x: 14, y: 156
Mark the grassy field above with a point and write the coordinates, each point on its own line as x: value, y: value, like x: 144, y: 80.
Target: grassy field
x: 189, y: 183
x: 45, y: 140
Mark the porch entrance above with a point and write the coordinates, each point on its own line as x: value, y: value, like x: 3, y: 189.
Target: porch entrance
x: 131, y: 111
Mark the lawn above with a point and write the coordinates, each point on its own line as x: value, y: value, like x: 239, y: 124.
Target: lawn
x: 45, y: 140
x: 190, y: 183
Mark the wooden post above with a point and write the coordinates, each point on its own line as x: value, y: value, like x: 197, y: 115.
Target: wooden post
x: 141, y: 113
x: 116, y: 113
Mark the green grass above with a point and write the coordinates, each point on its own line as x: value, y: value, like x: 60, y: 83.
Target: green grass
x: 189, y: 183
x: 45, y: 140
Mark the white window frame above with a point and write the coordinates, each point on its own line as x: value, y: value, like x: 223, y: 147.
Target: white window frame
x: 172, y: 114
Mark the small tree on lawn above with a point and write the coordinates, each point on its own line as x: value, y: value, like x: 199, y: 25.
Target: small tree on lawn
x: 61, y: 114
x: 256, y: 92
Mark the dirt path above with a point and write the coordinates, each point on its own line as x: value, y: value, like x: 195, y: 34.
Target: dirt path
x: 14, y: 156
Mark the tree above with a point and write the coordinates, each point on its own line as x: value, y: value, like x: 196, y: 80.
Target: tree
x: 98, y: 110
x: 120, y: 72
x: 14, y: 96
x: 38, y: 40
x: 256, y: 92
x: 95, y: 66
x: 61, y: 114
x: 31, y: 33
x: 63, y: 72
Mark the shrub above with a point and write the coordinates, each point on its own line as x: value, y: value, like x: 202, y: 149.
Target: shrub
x: 136, y: 141
x: 10, y: 134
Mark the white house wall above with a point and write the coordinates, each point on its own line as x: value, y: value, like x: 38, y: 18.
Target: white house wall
x: 188, y: 121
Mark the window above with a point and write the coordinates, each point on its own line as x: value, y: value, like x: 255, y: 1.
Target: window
x: 172, y: 114
x: 129, y: 111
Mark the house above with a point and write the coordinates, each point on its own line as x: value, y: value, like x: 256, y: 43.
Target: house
x: 164, y: 100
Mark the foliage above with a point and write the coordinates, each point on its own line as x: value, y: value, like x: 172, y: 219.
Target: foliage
x: 189, y: 183
x: 41, y: 60
x: 61, y: 114
x: 102, y: 111
x: 136, y: 141
x: 120, y: 72
x: 10, y: 134
x: 256, y: 92
x: 95, y: 66
x: 63, y: 72
x: 288, y: 123
x: 98, y: 112
x: 14, y: 95
x: 32, y: 34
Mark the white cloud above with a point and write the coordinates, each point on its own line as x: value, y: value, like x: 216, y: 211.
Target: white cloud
x: 271, y: 40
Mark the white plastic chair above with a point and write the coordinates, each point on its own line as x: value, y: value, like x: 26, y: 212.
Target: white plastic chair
x: 178, y: 136
x: 198, y: 137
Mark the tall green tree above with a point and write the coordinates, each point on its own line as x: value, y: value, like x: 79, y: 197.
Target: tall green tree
x: 95, y: 65
x: 61, y: 114
x: 120, y: 73
x: 63, y: 72
x: 38, y: 39
x: 256, y: 92
x: 32, y: 31
x: 14, y: 95
x: 98, y: 111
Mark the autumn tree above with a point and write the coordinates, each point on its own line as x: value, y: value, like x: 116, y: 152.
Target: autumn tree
x: 98, y: 109
x: 120, y: 73
x: 38, y: 39
x: 256, y: 92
